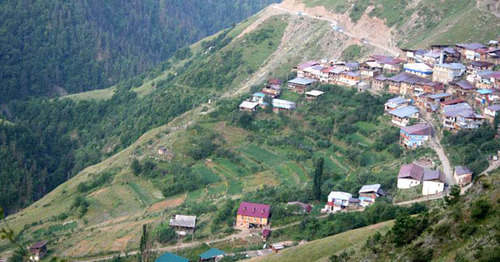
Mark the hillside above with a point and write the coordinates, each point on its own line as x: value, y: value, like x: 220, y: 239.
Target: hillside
x: 112, y: 179
x: 51, y: 48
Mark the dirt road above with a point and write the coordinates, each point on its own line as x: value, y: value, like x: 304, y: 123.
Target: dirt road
x: 325, y: 17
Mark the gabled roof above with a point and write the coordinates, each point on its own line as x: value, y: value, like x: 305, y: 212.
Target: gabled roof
x: 452, y: 102
x: 403, y: 112
x: 480, y: 64
x: 254, y: 210
x: 38, y: 244
x: 438, y: 95
x: 412, y: 171
x: 453, y: 110
x: 307, y: 64
x: 409, y: 78
x: 302, y: 81
x: 422, y: 129
x: 249, y: 105
x: 339, y: 195
x: 183, y: 221
x: 212, y: 253
x: 280, y: 103
x: 453, y: 66
x: 304, y: 206
x: 472, y: 46
x: 466, y: 85
x: 396, y: 100
x: 170, y: 257
x: 433, y: 175
x: 375, y: 188
x: 462, y: 170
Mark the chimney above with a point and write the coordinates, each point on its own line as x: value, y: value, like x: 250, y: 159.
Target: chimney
x: 441, y: 58
x: 253, y: 210
x: 262, y: 211
x: 244, y: 208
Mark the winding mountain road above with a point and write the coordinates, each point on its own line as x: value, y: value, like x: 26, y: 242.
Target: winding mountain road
x: 332, y: 21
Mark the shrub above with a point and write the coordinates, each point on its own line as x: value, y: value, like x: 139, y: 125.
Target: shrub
x: 480, y: 209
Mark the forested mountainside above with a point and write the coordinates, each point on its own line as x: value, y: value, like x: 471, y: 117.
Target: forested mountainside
x: 55, y: 47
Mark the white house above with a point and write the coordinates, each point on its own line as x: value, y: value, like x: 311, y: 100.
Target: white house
x: 433, y: 182
x: 395, y: 102
x: 338, y: 201
x: 491, y: 111
x: 410, y: 175
x: 402, y: 116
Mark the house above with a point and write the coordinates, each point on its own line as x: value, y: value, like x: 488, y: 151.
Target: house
x: 379, y: 83
x: 408, y: 84
x: 475, y: 66
x: 259, y: 97
x: 213, y: 254
x: 305, y: 208
x: 313, y: 72
x: 370, y: 69
x: 349, y: 78
x: 418, y: 69
x: 389, y: 64
x: 248, y: 106
x: 438, y: 98
x: 433, y: 182
x: 461, y: 89
x: 274, y: 81
x: 487, y: 79
x: 369, y: 193
x: 339, y: 201
x: 362, y: 86
x: 282, y: 105
x: 396, y: 102
x: 271, y: 92
x: 433, y: 57
x: 411, y: 175
x: 468, y: 119
x: 299, y: 85
x: 415, y: 136
x: 300, y: 68
x: 484, y: 96
x: 469, y: 51
x: 463, y: 175
x: 170, y: 257
x: 38, y: 250
x: 251, y: 215
x: 401, y: 116
x: 445, y: 73
x: 449, y: 114
x: 491, y: 112
x: 313, y: 94
x: 183, y: 224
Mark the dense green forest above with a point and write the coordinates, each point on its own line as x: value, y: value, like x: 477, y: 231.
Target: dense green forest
x: 51, y: 140
x: 52, y: 47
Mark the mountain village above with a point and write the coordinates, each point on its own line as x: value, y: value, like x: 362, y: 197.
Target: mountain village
x: 454, y: 84
x: 444, y: 88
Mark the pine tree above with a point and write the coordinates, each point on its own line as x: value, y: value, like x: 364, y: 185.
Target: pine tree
x: 318, y: 178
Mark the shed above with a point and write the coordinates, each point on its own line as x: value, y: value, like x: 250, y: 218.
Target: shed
x: 213, y: 254
x: 313, y: 94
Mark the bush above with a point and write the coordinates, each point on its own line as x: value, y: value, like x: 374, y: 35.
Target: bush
x: 480, y: 209
x: 165, y: 234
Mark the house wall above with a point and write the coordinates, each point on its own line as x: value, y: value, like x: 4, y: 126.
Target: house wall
x: 432, y: 187
x: 405, y: 183
x: 244, y: 221
x: 463, y: 179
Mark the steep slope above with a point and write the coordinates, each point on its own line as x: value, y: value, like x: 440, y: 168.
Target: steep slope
x: 57, y: 47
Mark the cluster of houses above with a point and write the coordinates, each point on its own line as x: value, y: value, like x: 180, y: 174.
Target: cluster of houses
x: 455, y: 82
x: 342, y: 201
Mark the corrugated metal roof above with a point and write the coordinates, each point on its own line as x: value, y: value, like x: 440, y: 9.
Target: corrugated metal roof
x: 302, y: 81
x: 403, y: 112
x: 463, y: 170
x: 183, y: 221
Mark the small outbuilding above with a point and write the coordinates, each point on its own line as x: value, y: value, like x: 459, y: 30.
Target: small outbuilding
x: 38, y: 250
x: 248, y: 106
x: 213, y: 254
x: 463, y: 175
x: 183, y: 224
x: 313, y: 94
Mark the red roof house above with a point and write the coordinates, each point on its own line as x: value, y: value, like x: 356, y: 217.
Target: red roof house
x: 252, y: 215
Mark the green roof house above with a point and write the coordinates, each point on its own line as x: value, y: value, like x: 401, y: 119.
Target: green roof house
x: 170, y: 257
x: 213, y: 254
